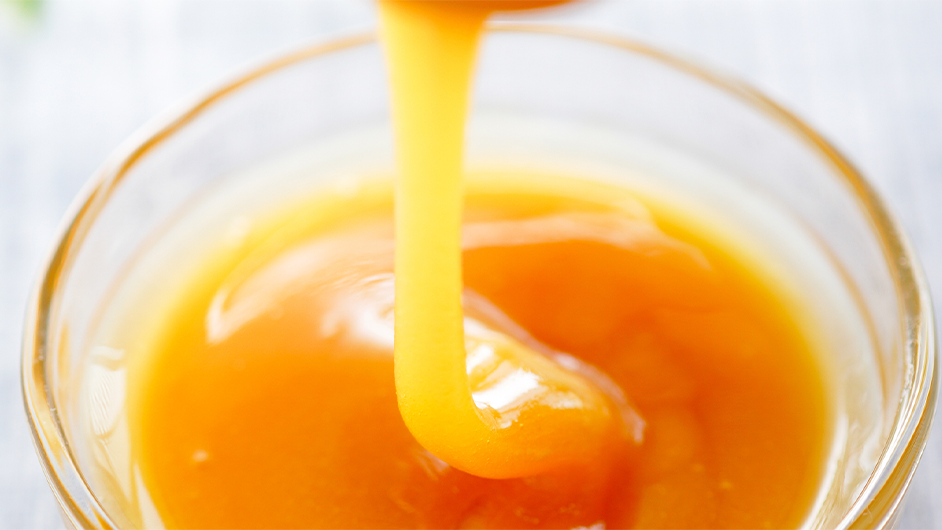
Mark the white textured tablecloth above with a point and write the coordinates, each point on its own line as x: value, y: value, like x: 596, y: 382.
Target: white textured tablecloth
x: 78, y: 76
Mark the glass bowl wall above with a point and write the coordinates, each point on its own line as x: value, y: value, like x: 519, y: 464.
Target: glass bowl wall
x: 542, y: 94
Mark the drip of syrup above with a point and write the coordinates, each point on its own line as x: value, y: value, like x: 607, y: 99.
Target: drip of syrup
x: 559, y: 418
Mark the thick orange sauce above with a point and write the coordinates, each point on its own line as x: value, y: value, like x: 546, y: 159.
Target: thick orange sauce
x: 269, y: 400
x: 565, y: 419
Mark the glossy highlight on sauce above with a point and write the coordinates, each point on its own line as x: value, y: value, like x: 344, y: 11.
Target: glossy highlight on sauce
x: 270, y: 400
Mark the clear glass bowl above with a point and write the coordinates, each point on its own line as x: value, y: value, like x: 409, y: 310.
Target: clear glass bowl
x: 606, y: 106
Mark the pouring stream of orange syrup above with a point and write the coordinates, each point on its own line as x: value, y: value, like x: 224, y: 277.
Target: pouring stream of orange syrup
x: 554, y: 417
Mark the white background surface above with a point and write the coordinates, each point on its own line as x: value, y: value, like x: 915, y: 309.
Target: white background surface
x: 81, y: 75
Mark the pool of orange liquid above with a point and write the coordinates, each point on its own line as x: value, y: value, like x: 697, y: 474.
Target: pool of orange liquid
x: 268, y: 399
x: 542, y: 355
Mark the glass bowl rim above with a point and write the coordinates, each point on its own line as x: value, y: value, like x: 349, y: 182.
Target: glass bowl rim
x: 875, y: 506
